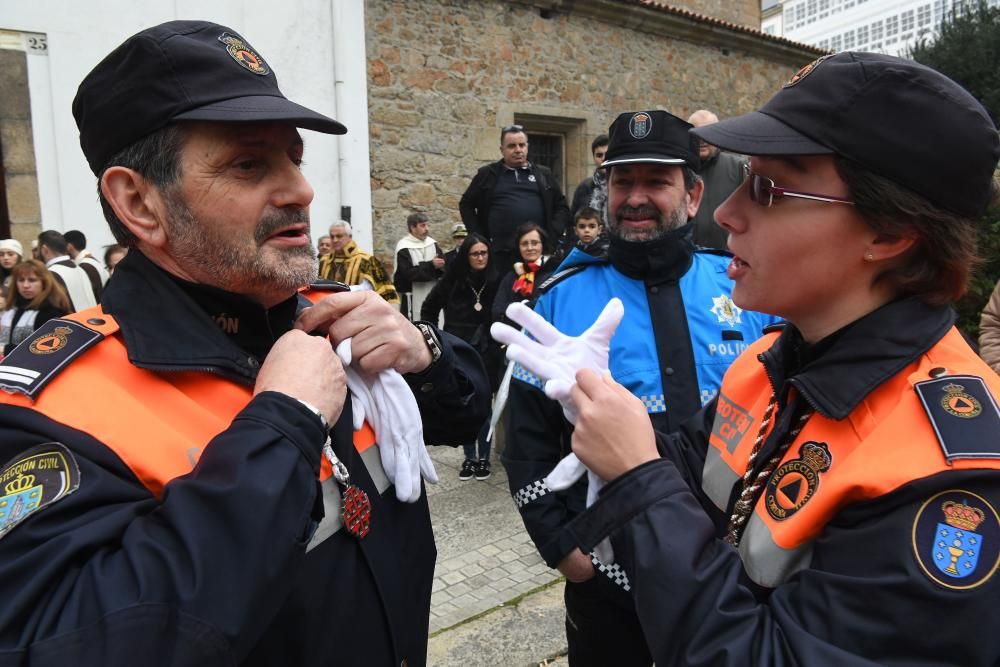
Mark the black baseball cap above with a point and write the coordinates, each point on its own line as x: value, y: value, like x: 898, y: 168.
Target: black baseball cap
x: 894, y: 117
x: 657, y: 137
x: 180, y: 70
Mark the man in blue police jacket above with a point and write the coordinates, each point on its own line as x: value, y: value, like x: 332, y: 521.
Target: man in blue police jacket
x: 680, y: 332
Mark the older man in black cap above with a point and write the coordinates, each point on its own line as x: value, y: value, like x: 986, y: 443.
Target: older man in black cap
x: 186, y: 481
x: 679, y: 333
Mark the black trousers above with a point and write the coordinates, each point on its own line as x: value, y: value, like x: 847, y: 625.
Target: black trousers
x: 602, y: 628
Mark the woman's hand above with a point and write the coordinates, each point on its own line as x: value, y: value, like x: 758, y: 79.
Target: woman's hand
x: 613, y: 433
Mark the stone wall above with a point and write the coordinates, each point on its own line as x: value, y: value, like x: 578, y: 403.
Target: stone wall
x: 445, y: 75
x: 18, y: 148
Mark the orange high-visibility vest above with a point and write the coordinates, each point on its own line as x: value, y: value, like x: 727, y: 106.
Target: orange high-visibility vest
x: 158, y: 423
x: 886, y: 442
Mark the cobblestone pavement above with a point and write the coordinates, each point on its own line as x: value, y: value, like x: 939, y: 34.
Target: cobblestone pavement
x: 485, y: 558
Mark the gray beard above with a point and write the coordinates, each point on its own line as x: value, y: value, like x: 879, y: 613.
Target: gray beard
x: 235, y: 268
x: 665, y: 224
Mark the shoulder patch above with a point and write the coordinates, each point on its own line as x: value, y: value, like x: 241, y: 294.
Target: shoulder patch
x: 956, y: 539
x: 964, y: 415
x: 559, y: 276
x: 40, y: 358
x: 34, y: 479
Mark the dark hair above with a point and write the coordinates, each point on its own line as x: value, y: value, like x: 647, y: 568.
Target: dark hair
x: 52, y: 292
x: 601, y: 140
x: 76, y: 237
x: 156, y: 157
x: 525, y: 229
x: 414, y: 219
x: 458, y: 268
x: 53, y: 240
x: 937, y: 267
x: 511, y: 129
x: 110, y: 250
x: 589, y: 214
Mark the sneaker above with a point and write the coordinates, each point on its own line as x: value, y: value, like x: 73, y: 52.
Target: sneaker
x: 482, y: 470
x: 469, y: 468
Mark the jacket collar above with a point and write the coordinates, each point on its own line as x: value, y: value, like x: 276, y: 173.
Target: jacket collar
x: 662, y: 260
x: 169, y: 324
x: 837, y: 373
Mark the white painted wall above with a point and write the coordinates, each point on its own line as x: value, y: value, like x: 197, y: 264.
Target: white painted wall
x: 316, y: 48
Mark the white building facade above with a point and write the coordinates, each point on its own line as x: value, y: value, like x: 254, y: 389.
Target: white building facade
x: 882, y: 26
x: 316, y: 47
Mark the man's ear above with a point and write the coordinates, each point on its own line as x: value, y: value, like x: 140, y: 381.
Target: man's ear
x: 137, y: 203
x: 693, y: 199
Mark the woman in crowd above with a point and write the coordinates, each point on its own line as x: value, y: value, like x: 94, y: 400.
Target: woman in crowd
x: 520, y: 281
x: 11, y: 254
x: 465, y: 293
x: 113, y: 254
x: 33, y: 297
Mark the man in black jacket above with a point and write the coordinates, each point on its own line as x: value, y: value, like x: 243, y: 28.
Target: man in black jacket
x: 507, y: 193
x: 183, y: 482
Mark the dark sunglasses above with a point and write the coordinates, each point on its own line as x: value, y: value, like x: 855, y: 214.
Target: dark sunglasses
x: 512, y: 128
x: 763, y: 191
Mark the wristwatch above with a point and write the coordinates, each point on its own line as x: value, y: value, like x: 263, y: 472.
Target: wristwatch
x: 432, y: 340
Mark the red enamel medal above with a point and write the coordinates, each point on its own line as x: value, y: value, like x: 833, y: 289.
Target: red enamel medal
x: 357, y: 512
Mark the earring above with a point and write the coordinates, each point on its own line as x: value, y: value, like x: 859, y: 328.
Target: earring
x: 869, y: 257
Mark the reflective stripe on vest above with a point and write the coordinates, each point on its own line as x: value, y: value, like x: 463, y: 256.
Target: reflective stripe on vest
x: 886, y: 442
x: 105, y: 395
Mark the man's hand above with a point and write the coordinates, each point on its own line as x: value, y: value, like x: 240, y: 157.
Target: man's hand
x: 305, y: 367
x: 438, y: 262
x: 613, y: 433
x: 577, y: 567
x: 381, y: 336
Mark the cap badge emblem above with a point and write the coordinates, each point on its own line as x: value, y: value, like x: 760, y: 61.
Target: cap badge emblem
x: 806, y: 71
x: 640, y: 125
x: 244, y: 54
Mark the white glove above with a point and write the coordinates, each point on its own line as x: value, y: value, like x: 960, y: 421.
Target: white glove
x: 555, y: 357
x: 388, y: 403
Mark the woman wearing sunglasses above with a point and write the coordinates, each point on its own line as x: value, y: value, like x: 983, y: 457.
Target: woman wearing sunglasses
x: 837, y: 504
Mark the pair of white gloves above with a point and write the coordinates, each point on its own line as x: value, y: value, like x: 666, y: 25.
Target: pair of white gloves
x: 555, y: 358
x: 388, y: 403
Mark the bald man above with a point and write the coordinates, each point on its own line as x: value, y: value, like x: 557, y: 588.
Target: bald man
x: 722, y: 173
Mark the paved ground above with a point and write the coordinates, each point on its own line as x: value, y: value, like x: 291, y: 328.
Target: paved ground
x: 494, y: 602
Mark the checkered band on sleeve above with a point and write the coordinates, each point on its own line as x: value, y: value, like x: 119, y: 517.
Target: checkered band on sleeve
x: 532, y: 492
x: 654, y: 404
x: 523, y: 375
x: 707, y: 395
x: 614, y: 572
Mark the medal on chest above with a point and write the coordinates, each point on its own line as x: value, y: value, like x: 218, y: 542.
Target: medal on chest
x: 357, y: 510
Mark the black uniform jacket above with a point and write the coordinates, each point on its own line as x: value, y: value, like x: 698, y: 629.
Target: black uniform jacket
x: 216, y: 571
x: 870, y: 593
x: 475, y: 203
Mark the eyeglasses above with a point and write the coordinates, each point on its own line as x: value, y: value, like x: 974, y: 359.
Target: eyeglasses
x: 479, y: 253
x: 763, y: 191
x: 511, y: 128
x: 529, y: 244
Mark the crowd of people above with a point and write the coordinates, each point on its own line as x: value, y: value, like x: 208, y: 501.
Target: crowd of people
x: 739, y: 418
x: 60, y: 277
